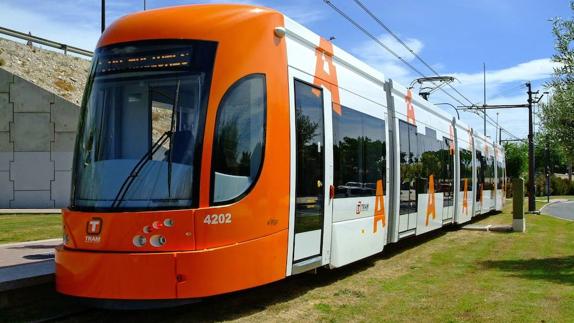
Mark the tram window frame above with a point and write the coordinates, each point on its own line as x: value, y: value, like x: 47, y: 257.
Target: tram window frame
x: 447, y: 172
x: 467, y: 167
x: 214, y: 157
x: 480, y: 168
x: 428, y: 151
x: 500, y: 174
x: 351, y: 179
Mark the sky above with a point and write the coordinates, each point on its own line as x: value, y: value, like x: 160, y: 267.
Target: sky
x: 513, y: 38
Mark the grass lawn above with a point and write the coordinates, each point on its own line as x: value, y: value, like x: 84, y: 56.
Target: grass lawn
x: 556, y: 197
x: 28, y: 227
x: 447, y: 276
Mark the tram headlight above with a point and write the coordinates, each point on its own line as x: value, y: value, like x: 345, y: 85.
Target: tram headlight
x: 168, y: 223
x: 139, y: 241
x: 157, y: 240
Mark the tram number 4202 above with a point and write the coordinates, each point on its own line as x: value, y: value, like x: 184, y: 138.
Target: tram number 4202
x: 217, y: 218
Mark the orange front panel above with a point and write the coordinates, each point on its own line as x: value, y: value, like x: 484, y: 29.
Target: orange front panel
x: 222, y: 270
x: 246, y: 44
x: 115, y: 275
x: 210, y: 259
x: 140, y: 276
x: 117, y: 230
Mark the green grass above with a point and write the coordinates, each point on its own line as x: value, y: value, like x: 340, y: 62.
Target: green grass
x: 28, y: 227
x: 556, y: 197
x: 447, y: 276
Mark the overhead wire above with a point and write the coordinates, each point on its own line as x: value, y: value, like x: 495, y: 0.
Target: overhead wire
x: 375, y: 39
x: 405, y: 45
x: 404, y: 61
x: 420, y: 59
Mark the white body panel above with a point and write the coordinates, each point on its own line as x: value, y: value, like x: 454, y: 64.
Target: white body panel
x: 464, y: 141
x: 427, y: 116
x: 307, y: 244
x: 360, y: 89
x: 349, y: 230
x: 356, y: 239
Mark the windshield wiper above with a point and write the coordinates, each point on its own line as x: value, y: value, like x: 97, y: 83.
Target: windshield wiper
x: 127, y: 183
x: 138, y: 167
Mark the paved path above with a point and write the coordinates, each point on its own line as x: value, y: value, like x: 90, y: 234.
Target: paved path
x: 30, y: 211
x: 26, y: 263
x: 564, y: 210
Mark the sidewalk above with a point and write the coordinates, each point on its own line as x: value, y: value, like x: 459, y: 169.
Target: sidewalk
x: 26, y: 263
x: 30, y: 211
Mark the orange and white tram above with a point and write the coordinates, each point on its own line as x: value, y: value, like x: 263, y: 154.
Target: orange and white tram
x: 223, y: 147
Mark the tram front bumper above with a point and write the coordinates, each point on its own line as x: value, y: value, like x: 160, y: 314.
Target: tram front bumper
x: 171, y: 275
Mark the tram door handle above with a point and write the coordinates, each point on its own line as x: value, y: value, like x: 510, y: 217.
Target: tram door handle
x: 318, y: 146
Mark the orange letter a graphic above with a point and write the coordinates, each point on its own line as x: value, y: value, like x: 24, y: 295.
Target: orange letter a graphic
x: 430, y: 204
x: 465, y: 197
x: 410, y: 108
x: 328, y: 79
x: 379, y: 206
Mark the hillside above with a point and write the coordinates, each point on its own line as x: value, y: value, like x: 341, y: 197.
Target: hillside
x: 62, y: 74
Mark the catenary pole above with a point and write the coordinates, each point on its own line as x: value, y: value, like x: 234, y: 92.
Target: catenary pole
x: 484, y: 99
x: 103, y: 15
x: 531, y: 187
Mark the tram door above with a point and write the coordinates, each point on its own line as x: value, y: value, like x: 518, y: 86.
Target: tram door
x: 310, y: 173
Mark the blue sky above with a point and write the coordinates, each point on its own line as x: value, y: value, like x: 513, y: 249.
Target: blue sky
x: 513, y: 38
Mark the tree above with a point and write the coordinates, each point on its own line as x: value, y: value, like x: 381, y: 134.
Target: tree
x: 548, y: 154
x: 558, y: 116
x: 516, y: 159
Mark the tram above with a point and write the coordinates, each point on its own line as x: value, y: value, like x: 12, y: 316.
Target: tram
x: 222, y: 147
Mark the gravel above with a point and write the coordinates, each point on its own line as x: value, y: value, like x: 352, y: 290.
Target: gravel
x: 62, y: 74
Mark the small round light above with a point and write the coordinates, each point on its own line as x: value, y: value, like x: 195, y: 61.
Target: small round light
x: 280, y: 32
x: 157, y: 224
x: 168, y: 223
x: 147, y: 229
x: 139, y: 241
x: 157, y: 240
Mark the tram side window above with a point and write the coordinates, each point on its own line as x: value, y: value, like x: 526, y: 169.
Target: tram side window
x: 489, y: 174
x: 422, y: 156
x: 465, y: 169
x: 481, y: 165
x: 359, y: 153
x: 446, y: 178
x: 239, y: 139
x: 410, y: 169
x: 500, y: 174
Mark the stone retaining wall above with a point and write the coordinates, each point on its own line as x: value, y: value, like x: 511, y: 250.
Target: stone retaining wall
x: 37, y: 134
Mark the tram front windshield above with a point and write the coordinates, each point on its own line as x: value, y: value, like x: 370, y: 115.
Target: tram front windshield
x: 141, y: 126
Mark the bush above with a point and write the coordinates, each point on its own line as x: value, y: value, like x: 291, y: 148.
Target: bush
x: 558, y: 186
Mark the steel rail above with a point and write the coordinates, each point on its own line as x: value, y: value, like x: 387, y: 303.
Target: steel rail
x: 46, y: 42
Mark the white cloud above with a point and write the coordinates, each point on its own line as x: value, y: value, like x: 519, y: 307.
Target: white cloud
x: 504, y: 86
x: 301, y: 14
x: 378, y: 57
x: 531, y: 70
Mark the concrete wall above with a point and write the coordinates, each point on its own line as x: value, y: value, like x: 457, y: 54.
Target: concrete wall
x: 37, y: 134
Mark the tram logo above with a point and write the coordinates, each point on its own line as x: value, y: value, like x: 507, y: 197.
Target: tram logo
x: 361, y: 207
x: 94, y: 226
